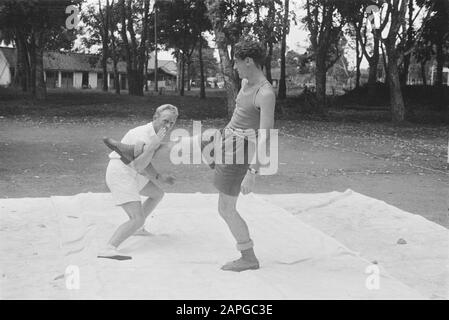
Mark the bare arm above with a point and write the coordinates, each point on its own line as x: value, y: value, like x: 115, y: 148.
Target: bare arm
x: 266, y: 100
x: 144, y: 160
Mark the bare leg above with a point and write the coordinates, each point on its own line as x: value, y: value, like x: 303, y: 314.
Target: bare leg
x: 155, y: 195
x: 135, y: 212
x: 239, y: 229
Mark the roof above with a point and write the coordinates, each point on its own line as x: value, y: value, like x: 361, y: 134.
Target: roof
x: 167, y: 66
x: 68, y: 61
x: 78, y: 62
x: 163, y: 70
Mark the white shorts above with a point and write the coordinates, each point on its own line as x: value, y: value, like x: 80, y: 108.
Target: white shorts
x: 124, y: 183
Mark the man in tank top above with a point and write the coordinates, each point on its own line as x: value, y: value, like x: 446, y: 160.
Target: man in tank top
x: 254, y: 111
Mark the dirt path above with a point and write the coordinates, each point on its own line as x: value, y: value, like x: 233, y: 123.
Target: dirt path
x: 63, y: 157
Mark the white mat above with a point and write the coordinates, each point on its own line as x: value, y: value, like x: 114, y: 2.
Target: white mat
x: 373, y: 228
x: 182, y: 259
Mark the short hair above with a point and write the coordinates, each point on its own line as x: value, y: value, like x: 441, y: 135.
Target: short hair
x: 250, y: 49
x: 164, y: 107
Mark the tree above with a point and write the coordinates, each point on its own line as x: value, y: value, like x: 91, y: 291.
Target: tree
x: 104, y: 26
x: 229, y: 19
x: 367, y: 37
x: 268, y: 27
x: 134, y: 21
x: 116, y: 51
x: 35, y: 26
x: 325, y: 27
x: 354, y: 44
x: 282, y: 94
x: 97, y: 25
x: 294, y: 62
x: 408, y: 42
x: 396, y: 11
x: 423, y: 54
x: 183, y: 24
x: 202, y: 80
x: 204, y: 63
x: 435, y: 35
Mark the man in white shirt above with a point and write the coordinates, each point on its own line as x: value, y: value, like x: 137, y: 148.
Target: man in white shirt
x: 127, y: 182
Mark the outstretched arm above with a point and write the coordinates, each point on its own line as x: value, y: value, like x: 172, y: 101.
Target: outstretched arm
x: 151, y: 173
x: 142, y: 161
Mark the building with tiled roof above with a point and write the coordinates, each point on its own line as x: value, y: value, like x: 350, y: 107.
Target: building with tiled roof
x: 78, y: 70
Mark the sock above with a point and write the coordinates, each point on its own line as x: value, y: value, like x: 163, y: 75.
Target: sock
x: 248, y: 254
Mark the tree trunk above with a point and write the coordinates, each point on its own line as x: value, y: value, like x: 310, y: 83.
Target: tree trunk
x: 105, y: 70
x: 135, y: 54
x: 202, y: 80
x: 357, y: 73
x: 104, y: 29
x: 41, y: 88
x: 372, y: 74
x: 32, y: 52
x: 269, y: 39
x: 423, y: 73
x: 268, y: 62
x: 396, y: 99
x: 409, y: 45
x: 23, y: 65
x: 384, y: 59
x: 358, y: 61
x: 146, y: 70
x: 282, y: 93
x: 439, y: 74
x: 320, y: 83
x: 225, y: 60
x: 104, y: 59
x: 114, y: 59
x: 373, y: 63
x: 440, y: 64
x: 229, y: 77
x: 183, y: 67
x: 116, y: 77
x: 179, y: 71
x: 404, y: 72
x: 189, y: 65
x: 374, y: 60
x: 129, y: 72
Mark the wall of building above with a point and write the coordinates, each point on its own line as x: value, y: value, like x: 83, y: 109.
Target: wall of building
x: 77, y: 80
x: 433, y: 75
x: 93, y: 80
x: 5, y: 75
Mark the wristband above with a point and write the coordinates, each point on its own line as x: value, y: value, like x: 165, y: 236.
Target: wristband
x: 253, y: 171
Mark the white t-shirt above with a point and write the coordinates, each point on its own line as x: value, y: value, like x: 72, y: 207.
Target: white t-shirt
x: 142, y: 133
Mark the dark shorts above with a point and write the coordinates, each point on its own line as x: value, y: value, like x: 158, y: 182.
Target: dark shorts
x: 228, y: 177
